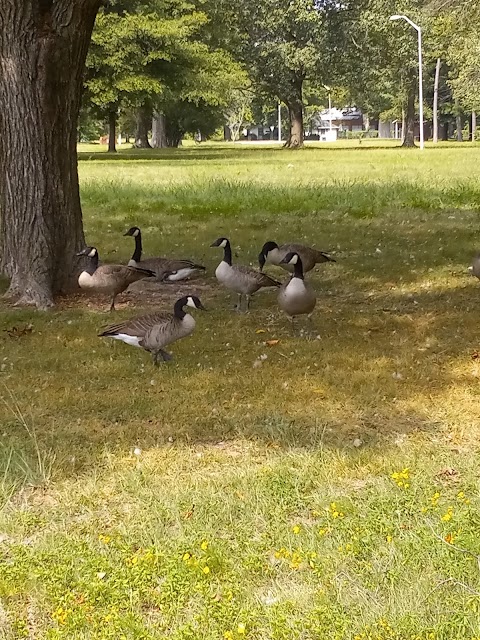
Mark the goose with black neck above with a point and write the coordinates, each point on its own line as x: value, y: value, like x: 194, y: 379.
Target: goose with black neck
x: 166, y: 269
x: 109, y: 279
x: 155, y: 331
x: 296, y: 297
x: 244, y: 280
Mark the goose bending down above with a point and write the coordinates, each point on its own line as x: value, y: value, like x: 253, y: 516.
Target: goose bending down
x: 241, y: 279
x: 109, y: 279
x: 296, y: 297
x: 155, y: 331
x: 274, y: 254
x: 165, y: 268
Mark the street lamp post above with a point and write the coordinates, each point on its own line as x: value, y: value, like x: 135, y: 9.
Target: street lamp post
x: 420, y: 72
x: 279, y: 121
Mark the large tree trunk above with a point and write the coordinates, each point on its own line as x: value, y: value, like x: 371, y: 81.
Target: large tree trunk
x: 409, y: 135
x: 112, y: 129
x: 43, y: 46
x: 159, y: 134
x: 435, y: 101
x: 144, y: 122
x: 295, y: 114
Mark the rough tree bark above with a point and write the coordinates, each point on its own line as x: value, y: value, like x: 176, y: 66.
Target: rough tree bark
x: 43, y: 45
x: 144, y: 122
x: 159, y: 134
x: 409, y: 135
x: 295, y: 115
x: 112, y: 130
x: 435, y: 101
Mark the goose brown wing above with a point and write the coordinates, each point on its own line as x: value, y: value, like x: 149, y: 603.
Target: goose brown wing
x: 262, y: 279
x: 307, y: 253
x: 139, y: 326
x: 162, y: 265
x: 122, y: 272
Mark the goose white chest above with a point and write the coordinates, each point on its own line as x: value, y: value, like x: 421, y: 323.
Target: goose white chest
x: 85, y: 280
x: 295, y: 288
x: 223, y: 272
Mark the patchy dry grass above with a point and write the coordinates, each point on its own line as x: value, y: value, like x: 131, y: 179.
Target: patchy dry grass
x: 331, y: 492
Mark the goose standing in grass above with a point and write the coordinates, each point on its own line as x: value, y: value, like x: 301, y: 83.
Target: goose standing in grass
x: 274, y: 254
x: 155, y: 331
x: 110, y: 279
x: 167, y: 269
x: 296, y: 297
x: 245, y: 281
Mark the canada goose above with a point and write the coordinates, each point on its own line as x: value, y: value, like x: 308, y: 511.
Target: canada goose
x: 274, y: 254
x: 244, y: 280
x: 296, y: 297
x: 154, y: 331
x: 164, y: 268
x: 108, y: 278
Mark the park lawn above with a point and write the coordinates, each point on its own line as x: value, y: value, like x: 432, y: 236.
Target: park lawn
x: 315, y: 487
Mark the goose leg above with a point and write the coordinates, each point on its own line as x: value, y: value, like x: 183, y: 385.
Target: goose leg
x: 248, y: 298
x: 238, y: 306
x: 161, y: 356
x: 112, y: 306
x: 311, y: 324
x: 292, y: 321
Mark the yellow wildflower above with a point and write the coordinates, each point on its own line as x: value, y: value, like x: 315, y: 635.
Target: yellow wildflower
x: 401, y: 477
x: 204, y: 545
x: 104, y: 539
x: 389, y: 539
x: 206, y: 570
x: 448, y: 515
x: 296, y: 529
x: 228, y: 635
x: 336, y: 513
x: 186, y: 556
x: 241, y: 628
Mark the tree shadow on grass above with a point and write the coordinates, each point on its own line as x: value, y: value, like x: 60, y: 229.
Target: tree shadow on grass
x: 396, y: 354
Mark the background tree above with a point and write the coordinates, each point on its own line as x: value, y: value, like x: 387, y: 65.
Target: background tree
x: 283, y: 44
x: 43, y: 46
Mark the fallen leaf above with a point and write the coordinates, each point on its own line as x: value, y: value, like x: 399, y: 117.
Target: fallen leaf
x: 272, y: 343
x: 101, y: 575
x: 260, y: 331
x: 448, y: 472
x: 475, y: 355
x: 189, y: 513
x: 449, y: 538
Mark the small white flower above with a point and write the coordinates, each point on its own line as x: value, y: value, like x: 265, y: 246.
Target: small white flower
x: 357, y: 442
x: 137, y: 451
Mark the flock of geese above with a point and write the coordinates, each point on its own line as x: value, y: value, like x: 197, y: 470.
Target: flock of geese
x: 154, y: 331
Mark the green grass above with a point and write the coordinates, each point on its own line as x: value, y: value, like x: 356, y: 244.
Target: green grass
x: 266, y: 501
